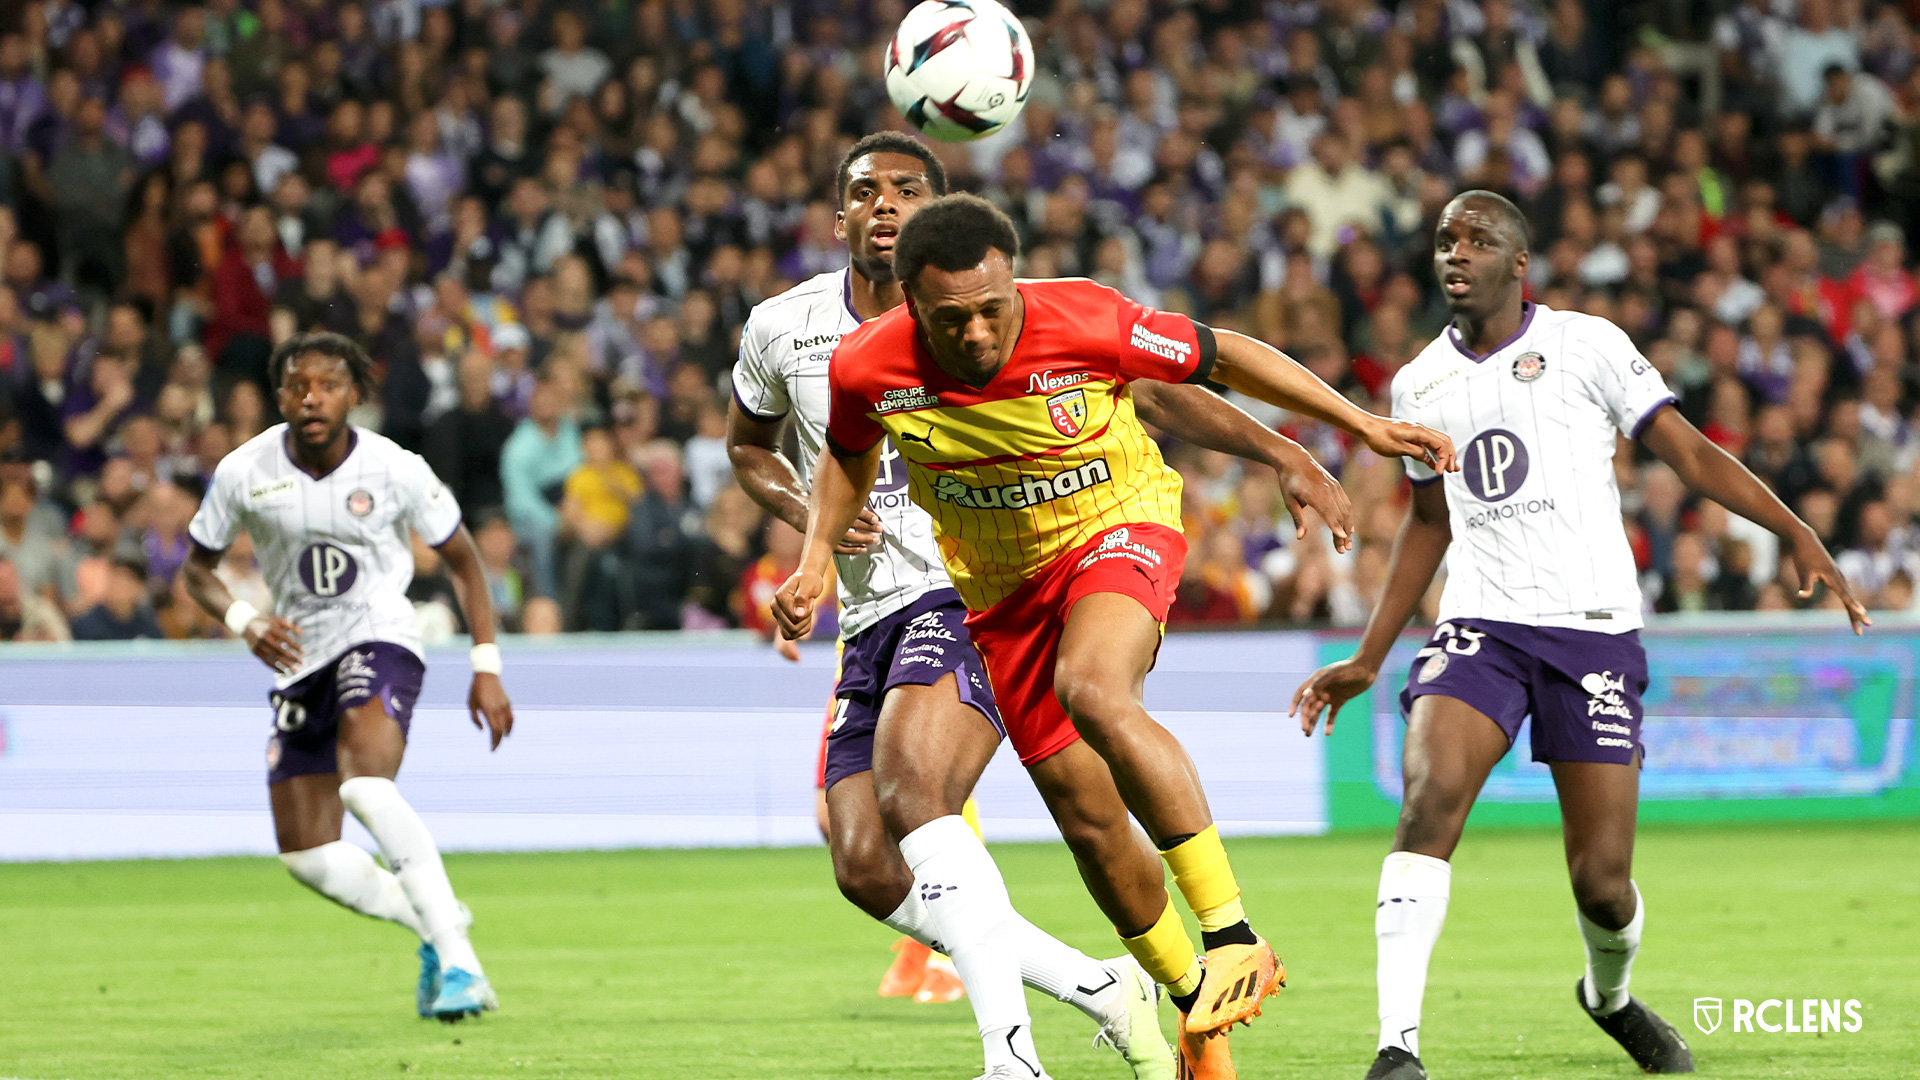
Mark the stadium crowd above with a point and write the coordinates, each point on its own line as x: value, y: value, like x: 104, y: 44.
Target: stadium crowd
x: 548, y: 222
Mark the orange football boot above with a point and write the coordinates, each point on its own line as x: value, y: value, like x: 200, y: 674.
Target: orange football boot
x: 941, y: 984
x: 1204, y: 1057
x: 1232, y: 985
x: 908, y: 971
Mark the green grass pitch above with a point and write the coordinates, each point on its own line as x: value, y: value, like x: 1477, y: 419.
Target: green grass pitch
x: 746, y: 964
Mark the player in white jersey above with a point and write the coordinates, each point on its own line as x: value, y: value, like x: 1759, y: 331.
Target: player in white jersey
x: 1539, y: 616
x: 904, y: 751
x: 330, y: 508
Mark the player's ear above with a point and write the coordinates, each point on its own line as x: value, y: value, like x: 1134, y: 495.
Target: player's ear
x: 1520, y: 260
x: 840, y: 225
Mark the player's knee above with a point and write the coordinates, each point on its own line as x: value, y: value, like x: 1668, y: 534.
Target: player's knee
x: 1603, y: 890
x: 1090, y: 697
x: 871, y: 885
x: 908, y: 802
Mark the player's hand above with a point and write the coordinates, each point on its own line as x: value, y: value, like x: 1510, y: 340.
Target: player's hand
x: 794, y: 604
x: 1815, y: 565
x: 1330, y: 688
x: 1403, y: 438
x: 1305, y: 485
x: 276, y: 641
x: 788, y: 650
x: 488, y: 698
x: 862, y: 535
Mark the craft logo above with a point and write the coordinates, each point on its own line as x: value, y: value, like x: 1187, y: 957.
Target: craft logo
x: 1068, y: 412
x: 1804, y: 1016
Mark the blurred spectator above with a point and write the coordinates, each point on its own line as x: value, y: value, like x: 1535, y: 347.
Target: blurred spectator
x: 464, y: 445
x: 660, y: 544
x: 535, y: 462
x: 25, y: 615
x: 126, y: 612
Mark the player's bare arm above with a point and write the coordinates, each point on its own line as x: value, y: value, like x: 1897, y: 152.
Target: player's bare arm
x: 840, y: 487
x: 1259, y: 370
x: 1417, y: 552
x: 770, y: 479
x: 486, y: 697
x: 1711, y: 471
x: 276, y: 641
x: 1197, y: 415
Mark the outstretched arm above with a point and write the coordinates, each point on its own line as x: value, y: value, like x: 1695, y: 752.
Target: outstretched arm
x: 770, y: 479
x: 1718, y: 475
x: 1259, y: 370
x: 276, y: 641
x: 840, y: 487
x: 486, y: 697
x: 1417, y: 552
x: 1197, y: 415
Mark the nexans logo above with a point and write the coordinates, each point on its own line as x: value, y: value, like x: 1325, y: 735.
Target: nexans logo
x: 1032, y: 491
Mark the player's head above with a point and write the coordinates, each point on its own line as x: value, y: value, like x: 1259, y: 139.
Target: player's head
x: 1480, y: 252
x: 319, y: 379
x: 882, y: 181
x: 955, y: 262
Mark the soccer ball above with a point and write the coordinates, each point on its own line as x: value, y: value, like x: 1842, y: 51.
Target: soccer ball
x: 959, y: 69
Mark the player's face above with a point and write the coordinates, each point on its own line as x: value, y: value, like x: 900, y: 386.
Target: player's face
x: 315, y: 396
x: 1476, y: 258
x: 883, y: 191
x: 968, y: 316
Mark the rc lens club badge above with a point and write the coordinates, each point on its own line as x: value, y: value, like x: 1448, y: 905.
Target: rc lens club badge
x: 1529, y: 366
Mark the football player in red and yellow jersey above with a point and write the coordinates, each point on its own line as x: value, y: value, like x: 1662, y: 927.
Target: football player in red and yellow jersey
x: 1060, y: 527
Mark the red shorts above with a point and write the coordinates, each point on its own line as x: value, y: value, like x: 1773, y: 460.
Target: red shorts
x: 1019, y: 637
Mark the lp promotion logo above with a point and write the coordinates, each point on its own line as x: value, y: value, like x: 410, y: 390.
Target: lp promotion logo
x: 1806, y: 1015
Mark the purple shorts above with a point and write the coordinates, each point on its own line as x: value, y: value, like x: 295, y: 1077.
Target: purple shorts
x: 306, y: 715
x: 1582, y: 688
x: 916, y: 646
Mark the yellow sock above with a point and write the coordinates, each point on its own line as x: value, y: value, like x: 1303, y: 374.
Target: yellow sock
x: 1201, y: 871
x: 970, y: 813
x: 1165, y: 952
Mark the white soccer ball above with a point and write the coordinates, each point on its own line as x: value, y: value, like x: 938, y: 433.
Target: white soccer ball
x: 959, y: 69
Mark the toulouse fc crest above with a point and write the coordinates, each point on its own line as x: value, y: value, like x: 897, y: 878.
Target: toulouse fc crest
x: 1529, y: 366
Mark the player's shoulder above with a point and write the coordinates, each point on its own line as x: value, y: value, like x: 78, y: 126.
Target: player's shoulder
x: 263, y: 449
x: 1074, y: 296
x: 885, y: 336
x: 1440, y: 359
x: 1576, y: 330
x: 775, y: 313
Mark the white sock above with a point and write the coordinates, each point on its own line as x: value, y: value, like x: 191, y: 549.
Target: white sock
x: 415, y: 861
x: 351, y: 877
x: 968, y: 910
x: 1610, y: 957
x: 1047, y: 964
x: 1406, y: 924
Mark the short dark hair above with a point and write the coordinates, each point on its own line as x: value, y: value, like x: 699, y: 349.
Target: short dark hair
x: 891, y: 142
x: 1516, y: 220
x: 338, y: 346
x: 953, y: 232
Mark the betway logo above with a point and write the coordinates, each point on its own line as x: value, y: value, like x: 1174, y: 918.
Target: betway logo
x: 803, y: 344
x: 1047, y: 382
x: 1032, y: 491
x: 1160, y: 344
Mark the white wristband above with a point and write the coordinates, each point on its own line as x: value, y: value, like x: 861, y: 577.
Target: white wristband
x: 485, y: 659
x: 239, y: 614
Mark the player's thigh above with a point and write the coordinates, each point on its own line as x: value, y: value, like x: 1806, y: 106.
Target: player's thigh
x: 306, y: 810
x: 866, y: 862
x: 929, y: 749
x: 1450, y: 748
x: 1106, y: 649
x: 371, y: 742
x: 1116, y: 859
x: 1599, y: 808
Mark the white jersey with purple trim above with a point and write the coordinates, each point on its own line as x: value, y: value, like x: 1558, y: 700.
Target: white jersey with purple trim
x: 334, y: 549
x: 784, y: 350
x: 1535, y: 511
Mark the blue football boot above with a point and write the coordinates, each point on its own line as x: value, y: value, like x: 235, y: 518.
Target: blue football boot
x: 429, y: 988
x: 463, y: 994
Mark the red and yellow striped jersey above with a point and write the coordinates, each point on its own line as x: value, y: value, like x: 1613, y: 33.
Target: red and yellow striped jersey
x: 1045, y: 456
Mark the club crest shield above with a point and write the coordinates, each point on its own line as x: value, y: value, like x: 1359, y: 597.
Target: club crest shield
x: 1706, y: 1014
x: 1068, y: 411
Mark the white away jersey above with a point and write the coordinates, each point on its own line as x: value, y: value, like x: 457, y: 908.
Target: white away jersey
x: 334, y: 550
x: 1534, y: 508
x: 784, y: 350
